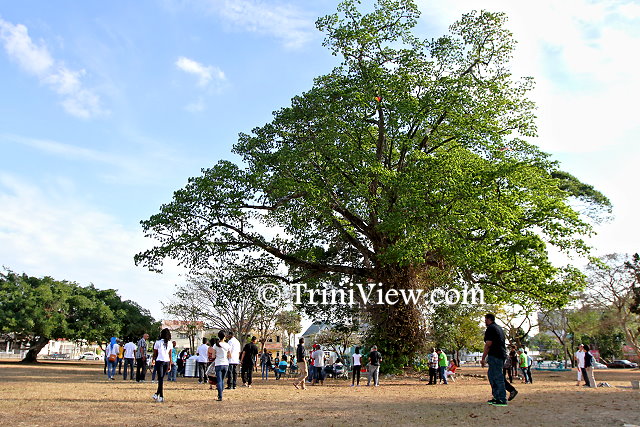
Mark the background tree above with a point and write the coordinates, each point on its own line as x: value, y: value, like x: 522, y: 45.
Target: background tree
x: 37, y: 310
x: 339, y: 338
x: 457, y: 327
x: 406, y: 157
x: 611, y: 286
x: 289, y: 322
x: 185, y: 308
x: 265, y: 326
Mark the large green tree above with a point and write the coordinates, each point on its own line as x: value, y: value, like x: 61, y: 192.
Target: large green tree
x: 35, y: 310
x: 406, y: 157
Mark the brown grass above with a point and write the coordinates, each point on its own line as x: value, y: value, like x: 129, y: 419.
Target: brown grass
x: 64, y: 393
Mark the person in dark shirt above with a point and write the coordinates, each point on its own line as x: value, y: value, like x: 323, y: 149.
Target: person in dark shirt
x: 494, y: 355
x: 301, y: 357
x: 374, y: 366
x: 247, y: 361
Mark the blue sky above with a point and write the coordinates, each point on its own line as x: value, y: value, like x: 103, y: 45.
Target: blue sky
x: 106, y: 110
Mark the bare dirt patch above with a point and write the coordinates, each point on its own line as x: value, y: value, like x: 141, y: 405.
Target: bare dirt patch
x: 70, y: 394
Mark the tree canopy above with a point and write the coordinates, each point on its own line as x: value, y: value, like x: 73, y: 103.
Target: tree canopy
x: 36, y: 310
x: 408, y: 156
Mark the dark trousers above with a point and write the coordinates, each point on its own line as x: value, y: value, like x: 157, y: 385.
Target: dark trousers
x: 119, y: 366
x: 356, y: 374
x: 162, y: 367
x: 507, y: 371
x: 141, y: 369
x: 232, y: 375
x: 128, y: 362
x: 529, y: 373
x: 201, y: 369
x: 508, y: 386
x: 585, y: 377
x: 246, y: 373
x: 433, y: 375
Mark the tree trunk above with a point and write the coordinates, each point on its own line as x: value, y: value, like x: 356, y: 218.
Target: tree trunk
x: 32, y: 354
x: 397, y: 330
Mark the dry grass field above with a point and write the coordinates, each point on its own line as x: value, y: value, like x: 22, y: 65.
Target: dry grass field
x: 77, y: 394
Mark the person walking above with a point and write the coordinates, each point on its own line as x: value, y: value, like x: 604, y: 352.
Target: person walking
x: 301, y: 357
x: 173, y: 373
x: 523, y: 363
x: 588, y: 368
x: 356, y: 363
x: 375, y: 358
x: 442, y: 366
x: 433, y: 367
x: 494, y: 355
x: 111, y: 355
x: 223, y: 354
x: 162, y: 361
x: 234, y: 361
x: 129, y: 357
x: 248, y: 360
x: 141, y: 358
x: 201, y: 363
x: 578, y: 357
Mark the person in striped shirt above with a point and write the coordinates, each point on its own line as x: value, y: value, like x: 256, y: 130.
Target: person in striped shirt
x: 141, y: 358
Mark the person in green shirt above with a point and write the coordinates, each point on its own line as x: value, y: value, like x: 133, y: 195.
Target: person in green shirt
x: 523, y: 363
x: 442, y: 366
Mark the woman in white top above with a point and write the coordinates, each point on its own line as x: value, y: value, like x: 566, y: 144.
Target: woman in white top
x: 357, y: 365
x: 162, y: 358
x: 223, y: 354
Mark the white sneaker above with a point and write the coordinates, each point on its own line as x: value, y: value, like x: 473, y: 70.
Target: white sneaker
x: 160, y: 399
x: 155, y: 396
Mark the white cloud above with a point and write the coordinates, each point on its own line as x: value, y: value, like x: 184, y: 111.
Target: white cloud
x: 49, y: 230
x: 205, y: 73
x: 580, y: 53
x: 281, y: 21
x: 36, y: 60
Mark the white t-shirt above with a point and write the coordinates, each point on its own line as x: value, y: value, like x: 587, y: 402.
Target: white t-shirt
x: 580, y: 357
x: 112, y: 350
x: 318, y: 359
x: 201, y: 352
x: 357, y: 359
x: 164, y: 353
x: 235, y: 350
x: 129, y: 350
x: 221, y: 353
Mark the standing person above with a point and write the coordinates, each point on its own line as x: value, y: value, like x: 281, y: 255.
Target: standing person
x: 522, y: 364
x: 265, y: 364
x: 513, y: 355
x: 111, y: 355
x: 162, y: 359
x: 356, y: 363
x: 318, y: 365
x: 201, y: 363
x: 579, y: 359
x: 588, y: 368
x: 374, y: 366
x: 529, y: 363
x: 129, y: 356
x: 223, y: 354
x: 506, y: 369
x: 234, y: 361
x: 442, y: 366
x: 301, y: 356
x: 182, y: 357
x: 120, y: 356
x: 141, y: 358
x: 495, y: 354
x: 248, y: 360
x: 433, y: 367
x: 173, y: 373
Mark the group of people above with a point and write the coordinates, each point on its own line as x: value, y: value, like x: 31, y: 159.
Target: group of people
x: 130, y: 355
x: 584, y: 364
x: 439, y: 367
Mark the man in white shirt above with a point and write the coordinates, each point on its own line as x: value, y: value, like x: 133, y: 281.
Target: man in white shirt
x: 579, y: 358
x: 232, y: 374
x: 318, y: 365
x: 201, y: 362
x: 129, y: 354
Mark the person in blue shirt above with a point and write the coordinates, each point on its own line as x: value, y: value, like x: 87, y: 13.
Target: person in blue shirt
x: 282, y: 367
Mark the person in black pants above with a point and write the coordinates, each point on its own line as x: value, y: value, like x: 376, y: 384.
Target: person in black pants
x: 356, y: 360
x: 247, y: 361
x: 141, y: 358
